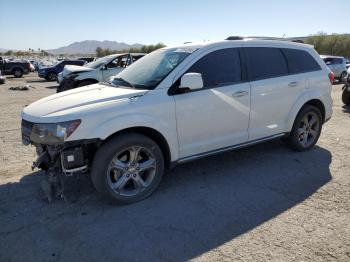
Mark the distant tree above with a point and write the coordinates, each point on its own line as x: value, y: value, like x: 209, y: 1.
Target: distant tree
x: 9, y: 53
x: 330, y: 44
x: 99, y: 52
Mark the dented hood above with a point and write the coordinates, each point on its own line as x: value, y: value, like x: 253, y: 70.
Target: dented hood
x: 61, y: 106
x: 74, y: 68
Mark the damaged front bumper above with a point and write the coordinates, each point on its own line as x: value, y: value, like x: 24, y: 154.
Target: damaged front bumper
x: 59, y: 160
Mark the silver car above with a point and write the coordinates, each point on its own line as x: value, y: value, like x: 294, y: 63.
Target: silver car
x: 337, y: 64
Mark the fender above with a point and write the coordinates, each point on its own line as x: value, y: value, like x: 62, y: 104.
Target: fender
x: 300, y: 102
x: 132, y: 120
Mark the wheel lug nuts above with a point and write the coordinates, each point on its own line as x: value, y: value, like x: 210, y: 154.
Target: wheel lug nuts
x: 134, y: 175
x: 127, y: 175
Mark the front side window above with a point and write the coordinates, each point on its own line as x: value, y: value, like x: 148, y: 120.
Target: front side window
x: 120, y: 61
x: 265, y: 62
x: 151, y: 69
x: 300, y: 61
x: 221, y: 67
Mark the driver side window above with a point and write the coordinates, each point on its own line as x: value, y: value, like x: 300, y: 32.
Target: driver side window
x: 219, y: 68
x: 119, y: 62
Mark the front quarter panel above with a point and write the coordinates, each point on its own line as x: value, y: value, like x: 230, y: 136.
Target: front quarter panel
x: 154, y: 110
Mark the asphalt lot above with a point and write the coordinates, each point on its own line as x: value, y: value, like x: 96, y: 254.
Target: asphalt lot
x: 263, y: 203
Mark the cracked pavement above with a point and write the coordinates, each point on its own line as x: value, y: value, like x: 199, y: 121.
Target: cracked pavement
x: 263, y: 203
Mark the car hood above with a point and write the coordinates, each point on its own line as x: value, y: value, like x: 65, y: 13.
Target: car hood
x: 74, y: 68
x: 71, y: 103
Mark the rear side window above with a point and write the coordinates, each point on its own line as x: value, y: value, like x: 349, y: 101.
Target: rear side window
x: 221, y: 67
x: 300, y: 61
x: 265, y: 62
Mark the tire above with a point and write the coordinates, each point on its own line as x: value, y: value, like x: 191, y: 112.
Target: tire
x: 342, y: 76
x: 346, y: 96
x: 85, y: 83
x: 51, y: 77
x: 305, y: 127
x: 116, y: 177
x: 17, y: 72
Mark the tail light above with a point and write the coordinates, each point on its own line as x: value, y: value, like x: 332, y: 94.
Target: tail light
x: 331, y: 77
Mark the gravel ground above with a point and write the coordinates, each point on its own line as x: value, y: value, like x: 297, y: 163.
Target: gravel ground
x: 264, y: 203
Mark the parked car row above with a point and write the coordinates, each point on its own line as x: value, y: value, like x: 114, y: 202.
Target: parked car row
x: 175, y: 105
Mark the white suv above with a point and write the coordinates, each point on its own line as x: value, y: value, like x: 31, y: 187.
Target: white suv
x: 179, y: 104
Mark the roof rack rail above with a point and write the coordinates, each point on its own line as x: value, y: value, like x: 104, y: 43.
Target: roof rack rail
x: 265, y: 38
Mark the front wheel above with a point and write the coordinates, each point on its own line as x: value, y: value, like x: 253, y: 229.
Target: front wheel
x: 306, y: 129
x: 51, y: 77
x: 346, y: 96
x: 128, y: 168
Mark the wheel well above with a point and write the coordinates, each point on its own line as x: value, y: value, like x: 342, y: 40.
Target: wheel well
x: 317, y: 103
x: 152, y: 134
x: 16, y: 68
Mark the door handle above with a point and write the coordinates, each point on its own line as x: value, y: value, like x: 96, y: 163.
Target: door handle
x: 293, y: 84
x: 240, y: 93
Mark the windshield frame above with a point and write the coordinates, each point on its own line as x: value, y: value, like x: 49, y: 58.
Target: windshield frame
x: 106, y: 60
x: 186, y: 50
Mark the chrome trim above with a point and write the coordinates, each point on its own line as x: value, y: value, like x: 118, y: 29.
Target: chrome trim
x: 229, y: 148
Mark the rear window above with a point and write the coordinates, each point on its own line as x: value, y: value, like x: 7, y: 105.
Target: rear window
x: 300, y: 61
x: 265, y: 62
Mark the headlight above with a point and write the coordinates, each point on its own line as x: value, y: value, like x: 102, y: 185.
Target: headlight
x: 53, y: 133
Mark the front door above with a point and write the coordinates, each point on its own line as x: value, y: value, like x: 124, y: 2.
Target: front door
x: 216, y: 116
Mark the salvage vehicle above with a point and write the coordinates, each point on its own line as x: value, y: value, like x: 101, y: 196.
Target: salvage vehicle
x: 179, y: 104
x: 50, y: 73
x: 98, y: 71
x: 15, y: 68
x: 337, y: 65
x: 346, y: 90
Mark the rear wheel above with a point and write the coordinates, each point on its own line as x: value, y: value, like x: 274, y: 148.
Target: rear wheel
x: 346, y: 96
x: 17, y: 72
x: 128, y: 168
x: 306, y: 129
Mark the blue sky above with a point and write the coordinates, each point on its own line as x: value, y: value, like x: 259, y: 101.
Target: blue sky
x: 50, y: 24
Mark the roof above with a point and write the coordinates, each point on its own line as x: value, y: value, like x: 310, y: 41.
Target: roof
x: 245, y: 42
x: 331, y: 56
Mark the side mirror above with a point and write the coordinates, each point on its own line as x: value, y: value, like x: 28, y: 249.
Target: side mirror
x: 104, y: 67
x: 192, y: 81
x: 328, y: 63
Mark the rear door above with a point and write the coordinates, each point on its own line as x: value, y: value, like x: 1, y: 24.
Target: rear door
x: 273, y: 91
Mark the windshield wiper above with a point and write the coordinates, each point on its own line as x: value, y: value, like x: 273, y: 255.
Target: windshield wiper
x: 123, y: 81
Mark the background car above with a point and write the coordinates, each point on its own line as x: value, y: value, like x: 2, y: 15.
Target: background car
x: 50, y: 73
x: 337, y: 64
x: 98, y: 71
x: 15, y: 67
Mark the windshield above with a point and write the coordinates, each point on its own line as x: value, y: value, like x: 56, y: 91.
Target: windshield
x: 99, y: 62
x: 150, y: 70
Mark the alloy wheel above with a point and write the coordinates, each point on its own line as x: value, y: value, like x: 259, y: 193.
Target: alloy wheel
x: 131, y: 171
x: 309, y: 129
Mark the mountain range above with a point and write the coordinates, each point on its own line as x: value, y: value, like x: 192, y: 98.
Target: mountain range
x: 89, y: 47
